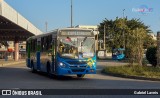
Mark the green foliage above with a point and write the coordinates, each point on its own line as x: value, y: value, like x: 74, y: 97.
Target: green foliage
x: 131, y: 34
x: 151, y: 55
x: 149, y: 41
x: 136, y: 70
x: 117, y: 30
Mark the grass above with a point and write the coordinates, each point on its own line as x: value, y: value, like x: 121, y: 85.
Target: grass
x: 145, y: 71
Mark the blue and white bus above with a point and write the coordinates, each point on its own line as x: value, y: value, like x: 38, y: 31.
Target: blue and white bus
x: 118, y: 54
x: 63, y: 52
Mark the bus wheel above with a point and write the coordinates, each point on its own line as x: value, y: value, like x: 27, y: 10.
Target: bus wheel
x: 32, y: 67
x: 49, y: 70
x: 80, y: 75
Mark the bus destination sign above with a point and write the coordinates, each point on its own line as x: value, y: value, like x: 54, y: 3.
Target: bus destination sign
x: 82, y: 33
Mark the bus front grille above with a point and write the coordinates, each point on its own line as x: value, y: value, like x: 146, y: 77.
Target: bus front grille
x: 78, y: 70
x: 77, y: 62
x: 77, y: 66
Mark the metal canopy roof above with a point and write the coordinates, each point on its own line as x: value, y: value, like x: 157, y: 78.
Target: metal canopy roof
x: 14, y: 26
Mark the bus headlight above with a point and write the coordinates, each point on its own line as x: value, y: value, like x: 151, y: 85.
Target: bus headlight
x: 61, y: 64
x: 93, y: 65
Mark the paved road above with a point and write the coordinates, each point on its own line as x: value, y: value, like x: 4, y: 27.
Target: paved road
x: 18, y: 76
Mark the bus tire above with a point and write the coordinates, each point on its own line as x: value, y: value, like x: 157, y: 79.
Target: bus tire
x: 49, y: 70
x: 32, y: 67
x: 80, y: 75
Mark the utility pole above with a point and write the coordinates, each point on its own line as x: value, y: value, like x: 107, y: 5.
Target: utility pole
x: 97, y: 40
x: 158, y: 49
x: 123, y: 13
x: 104, y: 42
x: 71, y: 15
x: 46, y: 26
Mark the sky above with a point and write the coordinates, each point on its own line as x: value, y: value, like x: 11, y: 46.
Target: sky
x: 86, y: 12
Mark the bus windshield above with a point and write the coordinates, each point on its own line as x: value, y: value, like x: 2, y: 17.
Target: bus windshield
x: 76, y: 47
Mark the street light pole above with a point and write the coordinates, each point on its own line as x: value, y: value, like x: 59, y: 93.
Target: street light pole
x: 104, y: 42
x: 46, y: 26
x: 123, y: 13
x: 97, y: 40
x: 71, y: 15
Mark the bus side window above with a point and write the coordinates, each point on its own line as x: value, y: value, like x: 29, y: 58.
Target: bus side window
x: 42, y: 41
x: 50, y: 42
x: 53, y: 47
x: 49, y: 45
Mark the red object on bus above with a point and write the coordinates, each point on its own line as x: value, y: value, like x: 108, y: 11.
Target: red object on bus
x: 68, y: 39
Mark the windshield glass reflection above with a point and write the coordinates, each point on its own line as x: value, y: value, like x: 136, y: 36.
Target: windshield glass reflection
x: 76, y: 48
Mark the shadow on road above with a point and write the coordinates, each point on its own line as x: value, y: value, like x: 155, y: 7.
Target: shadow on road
x: 23, y: 78
x: 60, y: 78
x: 19, y: 71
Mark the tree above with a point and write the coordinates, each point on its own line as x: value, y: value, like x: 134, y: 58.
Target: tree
x: 114, y: 32
x: 130, y: 34
x: 151, y: 55
x: 149, y: 41
x: 139, y: 35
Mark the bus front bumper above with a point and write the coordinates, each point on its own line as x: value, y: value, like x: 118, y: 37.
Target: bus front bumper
x: 65, y: 71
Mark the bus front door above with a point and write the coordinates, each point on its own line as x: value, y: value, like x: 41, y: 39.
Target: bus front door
x: 53, y: 55
x: 38, y: 53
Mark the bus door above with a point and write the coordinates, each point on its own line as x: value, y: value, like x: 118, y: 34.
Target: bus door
x: 28, y: 53
x: 53, y: 55
x: 38, y: 53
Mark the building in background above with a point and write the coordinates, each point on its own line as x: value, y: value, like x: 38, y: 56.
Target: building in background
x: 153, y: 36
x: 7, y: 50
x: 22, y: 49
x: 95, y: 28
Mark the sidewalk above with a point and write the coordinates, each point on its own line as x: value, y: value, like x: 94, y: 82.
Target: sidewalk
x: 10, y: 62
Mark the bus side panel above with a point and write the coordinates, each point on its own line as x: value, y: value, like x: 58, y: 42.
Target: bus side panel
x: 38, y: 53
x: 53, y: 58
x: 28, y: 62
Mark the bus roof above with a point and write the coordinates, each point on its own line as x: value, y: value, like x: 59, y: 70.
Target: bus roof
x: 119, y: 49
x: 85, y: 29
x: 57, y: 30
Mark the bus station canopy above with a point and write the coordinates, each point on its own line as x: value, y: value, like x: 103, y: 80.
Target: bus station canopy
x: 13, y: 26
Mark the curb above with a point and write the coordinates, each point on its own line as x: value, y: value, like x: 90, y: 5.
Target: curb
x: 11, y: 63
x: 129, y: 77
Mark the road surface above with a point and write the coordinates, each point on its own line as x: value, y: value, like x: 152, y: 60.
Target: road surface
x: 20, y: 77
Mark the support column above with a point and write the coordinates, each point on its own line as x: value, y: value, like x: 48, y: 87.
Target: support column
x: 158, y: 49
x: 16, y: 49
